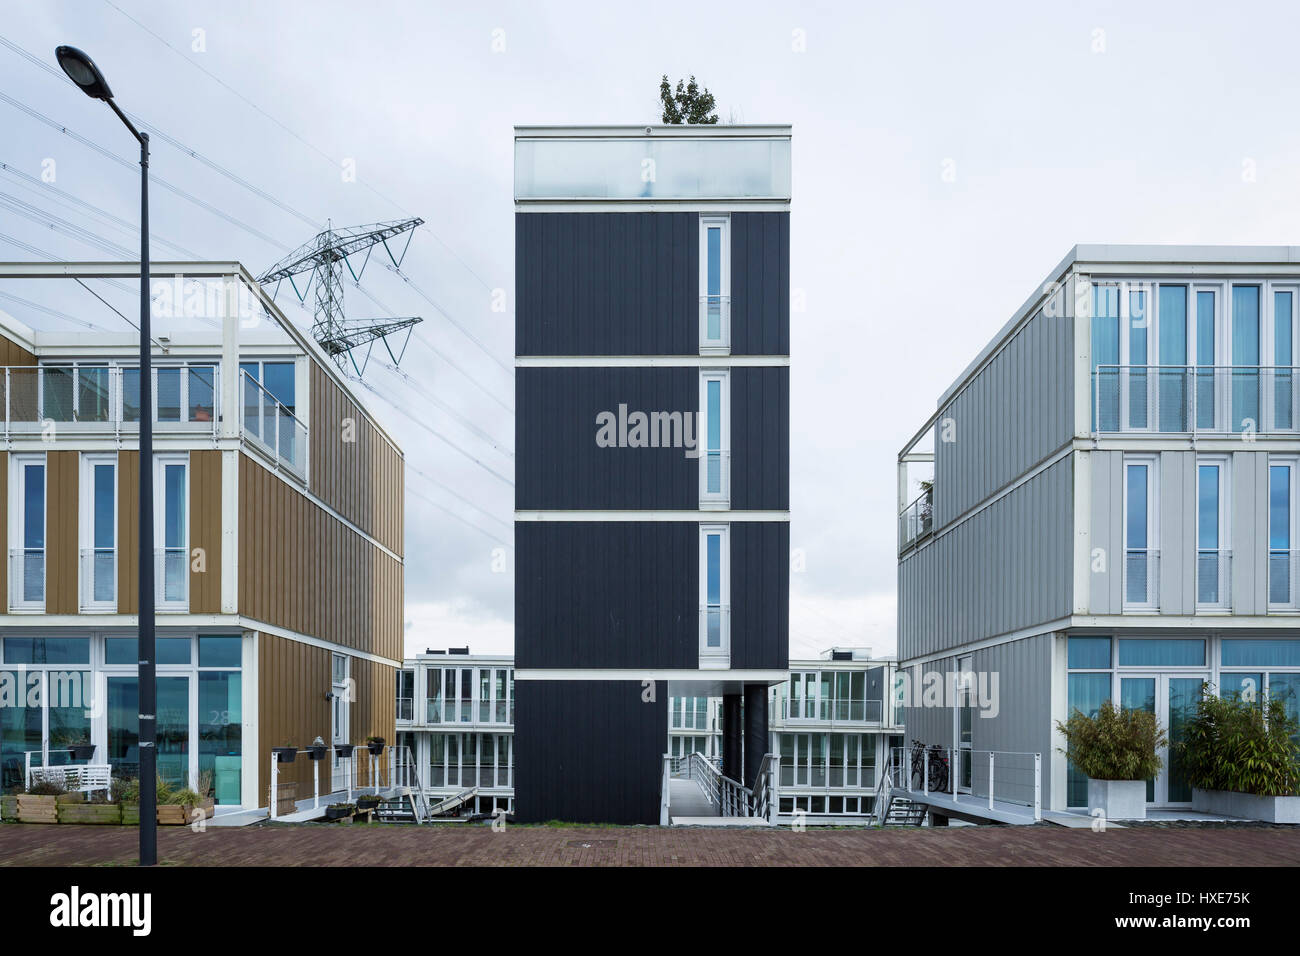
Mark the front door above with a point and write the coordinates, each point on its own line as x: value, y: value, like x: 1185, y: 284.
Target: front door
x: 1173, y: 700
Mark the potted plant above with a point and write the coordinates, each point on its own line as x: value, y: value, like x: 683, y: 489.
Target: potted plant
x: 375, y: 745
x: 316, y: 751
x: 339, y: 811
x: 1117, y: 749
x: 284, y: 754
x: 82, y: 751
x: 1241, y: 759
x: 368, y: 802
x: 343, y: 750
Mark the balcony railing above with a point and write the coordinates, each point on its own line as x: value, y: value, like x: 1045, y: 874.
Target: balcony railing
x: 106, y: 399
x: 916, y: 521
x: 269, y: 425
x: 437, y: 711
x: 715, y: 630
x: 27, y: 578
x: 715, y: 321
x: 1141, y: 578
x: 171, y: 578
x: 1283, y: 578
x: 802, y: 708
x: 98, y: 578
x: 715, y: 476
x: 827, y: 775
x: 1213, y: 578
x: 1196, y: 398
x: 404, y: 708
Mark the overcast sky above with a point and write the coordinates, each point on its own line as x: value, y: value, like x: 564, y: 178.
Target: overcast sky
x: 946, y: 156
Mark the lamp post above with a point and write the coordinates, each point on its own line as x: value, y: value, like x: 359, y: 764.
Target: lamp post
x: 82, y: 71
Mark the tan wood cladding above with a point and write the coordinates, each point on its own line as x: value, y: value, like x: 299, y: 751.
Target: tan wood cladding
x: 362, y: 479
x: 128, y: 531
x: 293, y: 679
x: 302, y: 569
x: 4, y: 531
x: 11, y: 353
x: 205, y: 531
x: 61, y: 537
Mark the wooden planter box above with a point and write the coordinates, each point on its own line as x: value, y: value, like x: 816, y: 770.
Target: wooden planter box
x: 131, y: 814
x: 208, y: 806
x: 9, y: 808
x: 90, y: 813
x: 37, y: 809
x: 65, y: 799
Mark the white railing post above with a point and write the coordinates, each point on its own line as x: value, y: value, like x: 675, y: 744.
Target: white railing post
x: 663, y: 801
x: 8, y: 391
x: 925, y: 770
x: 773, y: 794
x: 990, y: 779
x: 952, y: 773
x: 1038, y: 786
x: 275, y: 773
x: 315, y: 784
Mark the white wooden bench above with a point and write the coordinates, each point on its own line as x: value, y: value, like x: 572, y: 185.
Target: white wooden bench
x: 85, y: 778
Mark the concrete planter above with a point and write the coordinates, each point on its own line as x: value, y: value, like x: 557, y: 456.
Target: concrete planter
x: 1248, y: 806
x: 1119, y: 799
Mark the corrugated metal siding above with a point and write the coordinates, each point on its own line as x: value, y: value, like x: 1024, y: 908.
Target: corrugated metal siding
x: 760, y: 283
x: 61, y: 532
x: 1177, y: 534
x: 607, y: 283
x: 361, y: 479
x: 606, y: 594
x: 1249, y: 530
x: 560, y: 466
x: 1106, y: 576
x: 304, y: 570
x: 608, y: 772
x: 760, y: 438
x: 1008, y: 567
x: 760, y: 594
x: 1013, y: 414
x: 205, y: 531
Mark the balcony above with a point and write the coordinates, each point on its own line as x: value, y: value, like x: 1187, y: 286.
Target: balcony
x: 272, y: 428
x: 106, y: 399
x: 917, y: 520
x: 1186, y: 399
x: 833, y: 711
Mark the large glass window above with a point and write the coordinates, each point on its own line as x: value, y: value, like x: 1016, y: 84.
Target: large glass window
x: 715, y: 283
x: 433, y: 695
x: 29, y: 558
x: 1173, y: 404
x: 99, y: 564
x: 1212, y: 561
x: 1161, y: 652
x: 20, y: 725
x: 1283, y: 395
x: 715, y: 485
x: 715, y: 589
x: 1086, y: 692
x: 1245, y: 358
x: 173, y: 531
x: 167, y: 650
x: 1140, y: 555
x: 1252, y: 652
x: 173, y: 734
x: 1281, y: 573
x: 221, y: 733
x: 1105, y: 358
x: 47, y: 650
x: 1206, y: 392
x: 220, y: 651
x: 1088, y: 653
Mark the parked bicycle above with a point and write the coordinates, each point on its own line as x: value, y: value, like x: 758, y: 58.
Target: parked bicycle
x: 932, y: 762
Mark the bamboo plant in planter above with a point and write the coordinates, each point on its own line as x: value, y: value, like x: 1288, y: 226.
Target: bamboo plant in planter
x: 1242, y: 760
x: 1118, y: 750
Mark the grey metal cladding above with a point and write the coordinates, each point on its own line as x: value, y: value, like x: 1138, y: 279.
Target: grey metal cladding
x: 760, y: 283
x: 760, y: 594
x: 558, y: 464
x: 1017, y: 410
x: 588, y: 751
x: 760, y: 438
x: 624, y: 283
x: 606, y: 594
x: 1006, y: 567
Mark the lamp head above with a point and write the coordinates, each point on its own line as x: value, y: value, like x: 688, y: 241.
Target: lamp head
x: 82, y: 71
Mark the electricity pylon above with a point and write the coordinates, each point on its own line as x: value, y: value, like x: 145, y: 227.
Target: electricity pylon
x: 322, y: 260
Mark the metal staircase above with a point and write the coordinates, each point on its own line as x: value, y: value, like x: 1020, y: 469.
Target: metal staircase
x: 892, y: 810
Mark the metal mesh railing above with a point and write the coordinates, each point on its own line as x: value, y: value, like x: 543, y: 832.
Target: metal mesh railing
x: 1196, y: 398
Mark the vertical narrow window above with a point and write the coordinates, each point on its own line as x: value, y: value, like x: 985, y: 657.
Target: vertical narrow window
x: 1283, y: 395
x: 715, y: 283
x: 715, y: 438
x: 433, y: 696
x: 1139, y: 383
x: 1105, y: 358
x: 1173, y: 399
x: 172, y: 569
x: 1206, y: 394
x: 714, y: 592
x: 27, y: 557
x: 1212, y: 562
x: 1140, y: 555
x: 1245, y: 358
x: 1281, y: 588
x: 99, y: 531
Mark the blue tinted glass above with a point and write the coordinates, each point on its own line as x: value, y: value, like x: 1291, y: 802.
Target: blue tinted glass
x: 33, y: 506
x: 1245, y: 325
x: 1279, y: 507
x: 713, y: 580
x: 1105, y: 325
x: 1173, y: 325
x: 1087, y: 692
x: 1252, y: 652
x: 714, y: 388
x: 1152, y: 652
x: 1205, y: 328
x: 1207, y: 505
x: 277, y: 378
x: 104, y: 506
x: 220, y: 651
x: 167, y: 650
x: 715, y: 261
x: 254, y: 370
x: 47, y: 650
x: 1282, y: 328
x: 1249, y: 687
x: 168, y: 399
x: 1136, y: 526
x: 1089, y: 652
x: 1139, y: 323
x: 174, y: 506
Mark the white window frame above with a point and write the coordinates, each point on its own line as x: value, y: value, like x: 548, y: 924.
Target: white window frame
x: 1292, y: 464
x: 722, y: 344
x: 1224, y: 532
x: 17, y: 515
x: 1152, y: 603
x: 722, y: 654
x: 161, y: 462
x: 719, y: 499
x: 340, y: 709
x: 86, y: 562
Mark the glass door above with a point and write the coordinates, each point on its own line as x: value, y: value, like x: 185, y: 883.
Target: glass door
x: 1173, y: 700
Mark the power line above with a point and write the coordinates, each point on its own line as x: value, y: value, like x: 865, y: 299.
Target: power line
x: 447, y: 409
x: 448, y: 511
x: 458, y: 495
x: 37, y: 307
x: 446, y: 315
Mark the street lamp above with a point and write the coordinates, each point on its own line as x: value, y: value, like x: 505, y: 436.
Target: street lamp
x: 82, y: 71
